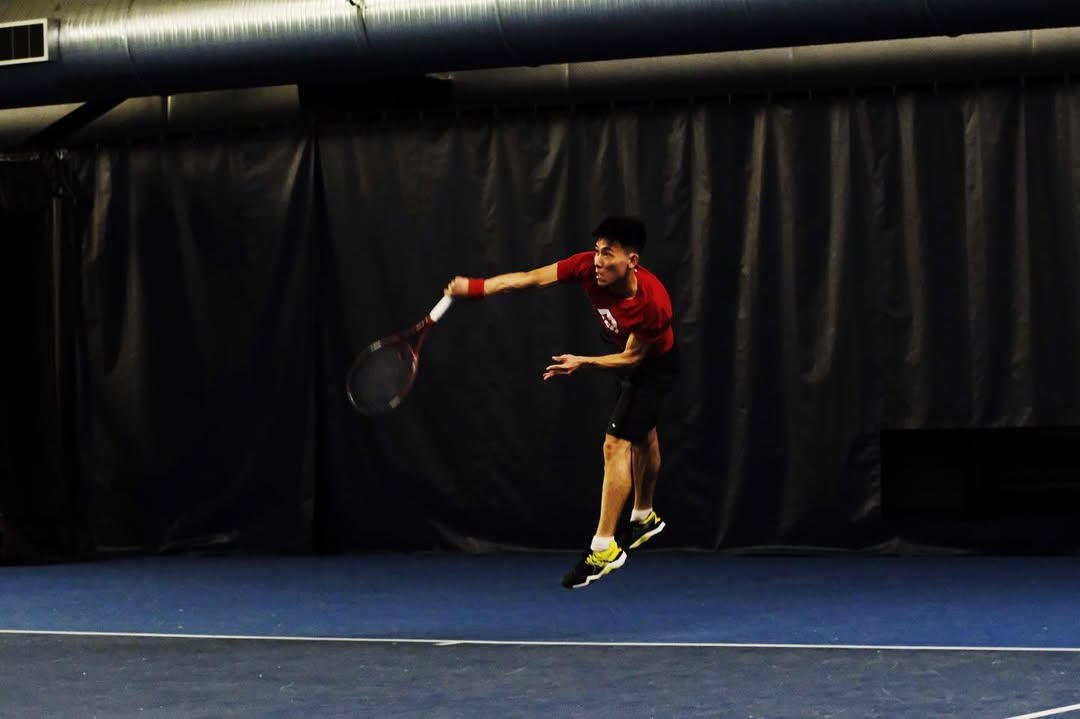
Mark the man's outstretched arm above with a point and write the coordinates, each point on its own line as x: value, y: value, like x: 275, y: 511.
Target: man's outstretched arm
x: 475, y: 287
x: 634, y: 353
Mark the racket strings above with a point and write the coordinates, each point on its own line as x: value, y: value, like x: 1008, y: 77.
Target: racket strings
x: 378, y: 381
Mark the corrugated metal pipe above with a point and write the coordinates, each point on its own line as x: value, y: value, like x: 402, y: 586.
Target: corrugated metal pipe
x: 129, y: 48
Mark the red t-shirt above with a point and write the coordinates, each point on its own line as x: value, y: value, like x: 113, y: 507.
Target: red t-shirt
x: 647, y: 314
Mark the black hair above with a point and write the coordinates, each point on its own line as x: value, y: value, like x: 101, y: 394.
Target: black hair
x: 627, y: 231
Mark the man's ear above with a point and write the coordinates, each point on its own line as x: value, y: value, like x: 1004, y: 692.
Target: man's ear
x: 634, y: 259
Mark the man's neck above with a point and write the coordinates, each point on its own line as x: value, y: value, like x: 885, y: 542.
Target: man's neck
x: 628, y: 287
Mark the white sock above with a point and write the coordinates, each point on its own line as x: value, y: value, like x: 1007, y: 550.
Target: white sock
x: 640, y: 515
x: 600, y: 544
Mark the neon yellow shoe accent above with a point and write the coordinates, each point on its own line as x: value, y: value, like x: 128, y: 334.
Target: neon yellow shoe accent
x: 599, y: 559
x: 641, y: 532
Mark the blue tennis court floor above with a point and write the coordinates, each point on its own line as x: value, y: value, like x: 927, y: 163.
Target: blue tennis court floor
x: 669, y: 635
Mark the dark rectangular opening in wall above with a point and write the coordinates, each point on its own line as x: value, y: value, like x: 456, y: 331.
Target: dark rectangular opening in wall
x: 22, y: 42
x: 980, y: 474
x: 37, y: 41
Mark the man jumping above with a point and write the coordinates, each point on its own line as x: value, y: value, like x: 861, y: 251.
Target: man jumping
x: 635, y: 310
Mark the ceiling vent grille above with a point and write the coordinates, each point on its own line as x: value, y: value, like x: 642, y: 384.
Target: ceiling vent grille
x: 25, y: 42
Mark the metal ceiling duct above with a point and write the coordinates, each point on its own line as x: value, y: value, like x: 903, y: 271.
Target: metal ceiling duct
x: 127, y: 48
x: 131, y: 48
x: 1028, y: 53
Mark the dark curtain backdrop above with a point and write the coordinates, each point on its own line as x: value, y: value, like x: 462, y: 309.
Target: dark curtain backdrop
x: 41, y: 508
x: 839, y: 265
x: 200, y: 428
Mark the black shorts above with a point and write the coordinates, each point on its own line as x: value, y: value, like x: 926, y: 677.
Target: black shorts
x: 642, y: 391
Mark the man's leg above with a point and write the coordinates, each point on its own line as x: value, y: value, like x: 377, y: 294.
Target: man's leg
x: 646, y: 468
x: 605, y: 555
x: 617, y: 484
x: 644, y: 522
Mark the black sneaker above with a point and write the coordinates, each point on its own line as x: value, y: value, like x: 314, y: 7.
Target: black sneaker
x: 640, y: 532
x: 594, y: 565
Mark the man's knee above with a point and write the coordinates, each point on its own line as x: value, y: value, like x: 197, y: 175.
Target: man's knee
x: 647, y: 443
x: 616, y: 447
x: 649, y: 447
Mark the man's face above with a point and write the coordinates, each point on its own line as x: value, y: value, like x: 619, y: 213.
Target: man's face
x: 612, y: 263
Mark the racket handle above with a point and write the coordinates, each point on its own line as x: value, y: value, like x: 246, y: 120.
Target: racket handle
x: 440, y: 309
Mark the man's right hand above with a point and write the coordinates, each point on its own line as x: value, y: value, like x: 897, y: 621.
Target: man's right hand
x: 458, y: 287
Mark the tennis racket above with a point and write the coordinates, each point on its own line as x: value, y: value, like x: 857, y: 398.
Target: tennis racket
x: 383, y: 373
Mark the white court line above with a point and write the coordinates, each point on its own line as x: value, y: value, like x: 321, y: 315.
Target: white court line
x: 530, y: 643
x: 1049, y: 712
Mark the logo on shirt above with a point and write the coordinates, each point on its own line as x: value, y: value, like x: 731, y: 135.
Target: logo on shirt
x: 608, y: 320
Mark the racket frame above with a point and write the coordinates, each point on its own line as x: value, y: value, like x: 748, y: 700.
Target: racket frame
x: 413, y: 338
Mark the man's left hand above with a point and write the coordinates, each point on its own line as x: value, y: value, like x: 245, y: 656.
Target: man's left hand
x: 564, y: 364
